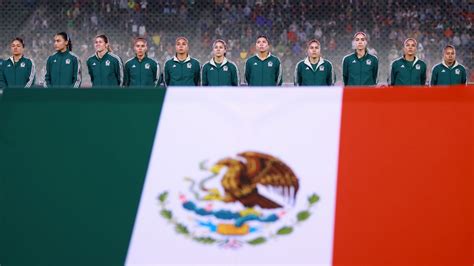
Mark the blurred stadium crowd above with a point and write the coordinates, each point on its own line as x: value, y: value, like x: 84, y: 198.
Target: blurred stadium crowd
x: 289, y: 24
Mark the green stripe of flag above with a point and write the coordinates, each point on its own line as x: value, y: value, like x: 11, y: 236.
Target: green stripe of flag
x: 72, y: 167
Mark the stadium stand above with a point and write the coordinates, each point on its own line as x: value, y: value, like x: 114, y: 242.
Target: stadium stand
x: 289, y: 24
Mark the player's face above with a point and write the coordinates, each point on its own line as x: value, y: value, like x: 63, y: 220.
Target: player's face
x: 181, y: 46
x: 140, y: 48
x: 314, y: 51
x: 262, y: 45
x: 409, y: 48
x: 60, y: 44
x: 449, y: 55
x: 17, y: 48
x: 219, y: 49
x: 100, y: 45
x: 360, y: 42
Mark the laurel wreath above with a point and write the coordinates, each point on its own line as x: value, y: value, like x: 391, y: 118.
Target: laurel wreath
x: 182, y: 229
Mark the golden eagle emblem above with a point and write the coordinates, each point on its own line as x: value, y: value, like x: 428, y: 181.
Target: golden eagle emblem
x: 250, y: 169
x: 210, y: 220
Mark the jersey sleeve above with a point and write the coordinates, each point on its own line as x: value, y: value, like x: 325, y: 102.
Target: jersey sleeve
x: 197, y: 74
x: 423, y: 75
x: 32, y: 75
x: 393, y: 75
x: 279, y: 81
x: 375, y: 71
x: 434, y: 76
x: 345, y: 71
x: 77, y: 73
x: 126, y: 75
x: 204, y: 80
x: 47, y: 77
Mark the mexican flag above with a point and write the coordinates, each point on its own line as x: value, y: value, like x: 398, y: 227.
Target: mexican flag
x: 288, y: 176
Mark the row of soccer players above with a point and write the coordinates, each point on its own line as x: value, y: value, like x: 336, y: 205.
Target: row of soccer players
x: 63, y: 69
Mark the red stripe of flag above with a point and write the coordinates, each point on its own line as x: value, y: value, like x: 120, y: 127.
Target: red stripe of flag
x: 405, y: 182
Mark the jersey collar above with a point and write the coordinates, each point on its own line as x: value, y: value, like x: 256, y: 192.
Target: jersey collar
x: 214, y: 63
x: 454, y: 65
x: 269, y: 54
x: 175, y: 58
x: 308, y: 63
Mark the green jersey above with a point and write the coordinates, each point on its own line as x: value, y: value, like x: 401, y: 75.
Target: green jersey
x: 403, y: 72
x: 263, y: 72
x: 360, y: 71
x: 20, y: 74
x: 224, y: 74
x: 144, y: 73
x: 320, y: 74
x: 63, y: 69
x: 182, y: 73
x: 442, y: 74
x: 106, y: 71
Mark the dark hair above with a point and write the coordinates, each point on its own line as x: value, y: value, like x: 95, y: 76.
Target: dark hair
x: 449, y: 46
x: 313, y: 41
x: 66, y: 38
x: 263, y: 36
x: 140, y: 39
x: 20, y: 40
x: 106, y: 40
x: 182, y: 38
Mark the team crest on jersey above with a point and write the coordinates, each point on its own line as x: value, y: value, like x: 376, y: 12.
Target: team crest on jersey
x: 369, y: 62
x: 211, y: 68
x: 94, y: 64
x: 307, y: 68
x: 417, y: 67
x: 22, y: 64
x: 68, y: 61
x: 403, y: 66
x: 270, y: 64
x: 147, y: 66
x: 9, y: 65
x: 255, y: 64
x: 189, y: 65
x: 321, y: 68
x: 220, y: 213
x: 174, y: 65
x: 442, y: 71
x: 353, y: 62
x: 134, y: 66
x: 107, y: 63
x: 457, y: 71
x: 225, y: 68
x: 54, y: 61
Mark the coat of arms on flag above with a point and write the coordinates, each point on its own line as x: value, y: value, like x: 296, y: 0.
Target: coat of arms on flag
x: 254, y: 219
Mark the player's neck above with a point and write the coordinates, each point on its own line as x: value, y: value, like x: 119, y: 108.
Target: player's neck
x: 181, y: 57
x: 17, y: 58
x: 361, y: 53
x: 101, y: 54
x: 140, y: 57
x: 410, y: 57
x: 263, y: 55
x: 450, y: 64
x: 314, y: 60
x: 218, y: 59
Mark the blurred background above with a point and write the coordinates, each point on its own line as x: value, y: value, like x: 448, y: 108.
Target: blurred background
x: 289, y: 25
